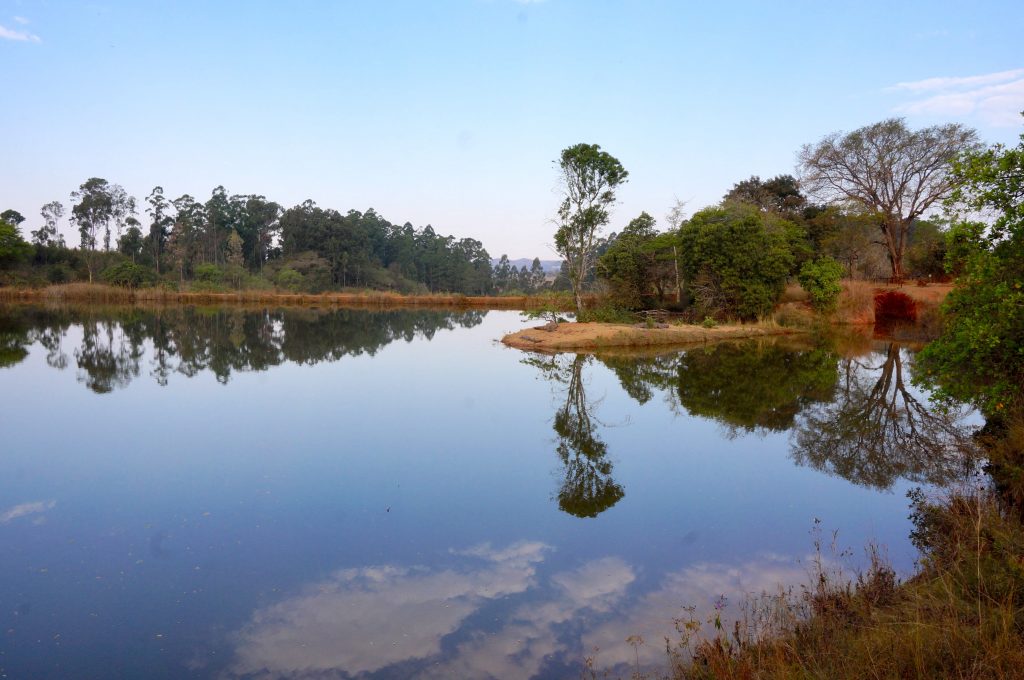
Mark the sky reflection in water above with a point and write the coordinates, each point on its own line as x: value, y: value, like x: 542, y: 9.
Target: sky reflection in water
x: 293, y: 494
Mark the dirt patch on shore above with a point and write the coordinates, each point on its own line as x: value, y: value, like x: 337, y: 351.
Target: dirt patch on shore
x: 595, y: 336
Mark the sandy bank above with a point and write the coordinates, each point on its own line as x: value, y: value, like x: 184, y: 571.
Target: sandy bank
x: 590, y: 336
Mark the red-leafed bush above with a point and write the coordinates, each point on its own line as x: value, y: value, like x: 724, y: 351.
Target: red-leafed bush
x: 893, y: 306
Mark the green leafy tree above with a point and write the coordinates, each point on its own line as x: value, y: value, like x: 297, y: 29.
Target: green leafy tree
x: 12, y: 217
x: 926, y: 249
x: 160, y: 222
x: 258, y: 225
x: 963, y: 241
x: 820, y: 278
x: 736, y: 259
x: 589, y: 178
x: 128, y: 275
x: 13, y: 248
x: 504, y: 278
x: 537, y: 275
x: 48, y: 234
x: 186, y: 234
x: 890, y: 170
x: 235, y: 258
x: 99, y: 204
x: 780, y: 194
x: 628, y: 263
x: 289, y: 279
x: 131, y: 241
x: 979, y: 358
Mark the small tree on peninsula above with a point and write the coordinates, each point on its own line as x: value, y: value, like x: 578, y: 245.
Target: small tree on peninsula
x: 589, y: 178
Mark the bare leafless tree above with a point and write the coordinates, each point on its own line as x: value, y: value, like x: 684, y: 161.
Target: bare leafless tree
x: 888, y: 169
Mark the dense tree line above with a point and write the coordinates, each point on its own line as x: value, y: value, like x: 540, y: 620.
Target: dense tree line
x: 244, y: 240
x: 859, y: 209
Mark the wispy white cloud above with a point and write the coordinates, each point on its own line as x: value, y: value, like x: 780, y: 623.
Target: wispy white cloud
x: 935, y: 84
x: 995, y: 98
x: 21, y: 20
x: 26, y: 509
x: 20, y: 36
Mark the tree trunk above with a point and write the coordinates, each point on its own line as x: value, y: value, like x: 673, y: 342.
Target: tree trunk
x: 679, y: 287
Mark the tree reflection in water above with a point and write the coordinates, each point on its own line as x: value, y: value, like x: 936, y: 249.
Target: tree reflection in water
x: 851, y: 417
x: 875, y: 430
x: 587, y: 487
x: 188, y: 341
x: 755, y: 386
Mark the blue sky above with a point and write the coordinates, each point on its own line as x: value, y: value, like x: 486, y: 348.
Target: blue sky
x: 450, y: 112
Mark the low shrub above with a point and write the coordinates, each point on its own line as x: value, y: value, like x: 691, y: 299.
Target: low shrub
x: 821, y: 279
x: 290, y: 280
x: 892, y: 306
x: 208, y: 273
x: 127, y: 274
x: 606, y: 312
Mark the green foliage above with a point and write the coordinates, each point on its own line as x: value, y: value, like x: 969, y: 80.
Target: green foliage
x: 589, y: 178
x: 356, y: 246
x: 12, y: 217
x: 59, y: 273
x: 737, y: 259
x: 290, y: 280
x: 607, y: 312
x: 926, y: 252
x: 130, y: 243
x: 709, y: 322
x: 13, y: 248
x: 208, y: 273
x: 747, y: 386
x: 820, y: 278
x: 963, y: 241
x: 639, y: 263
x: 780, y: 194
x: 128, y: 275
x: 979, y: 357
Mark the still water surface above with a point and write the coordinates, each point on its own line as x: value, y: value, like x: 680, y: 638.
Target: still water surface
x: 307, y: 494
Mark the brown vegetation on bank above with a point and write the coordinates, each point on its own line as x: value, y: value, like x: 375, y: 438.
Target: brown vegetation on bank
x: 961, y: 616
x: 98, y: 293
x: 859, y: 302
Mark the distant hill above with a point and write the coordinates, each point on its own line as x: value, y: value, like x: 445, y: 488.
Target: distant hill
x: 550, y: 266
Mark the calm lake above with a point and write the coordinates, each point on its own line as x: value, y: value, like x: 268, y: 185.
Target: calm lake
x: 314, y: 494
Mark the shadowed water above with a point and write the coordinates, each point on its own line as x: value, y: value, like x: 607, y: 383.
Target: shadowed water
x: 308, y: 494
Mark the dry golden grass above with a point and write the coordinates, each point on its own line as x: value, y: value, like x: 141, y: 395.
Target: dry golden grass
x: 856, y: 303
x: 794, y: 293
x: 961, y: 616
x: 98, y: 293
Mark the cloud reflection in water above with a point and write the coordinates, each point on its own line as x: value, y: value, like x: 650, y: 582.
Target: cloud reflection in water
x: 375, y: 619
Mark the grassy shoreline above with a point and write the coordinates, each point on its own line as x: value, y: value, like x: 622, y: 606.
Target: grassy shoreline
x: 960, y: 615
x: 86, y: 293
